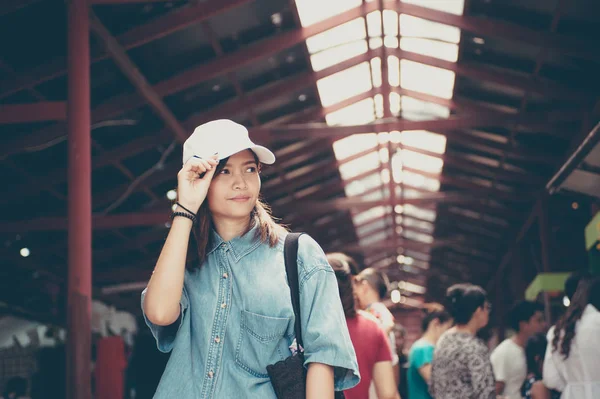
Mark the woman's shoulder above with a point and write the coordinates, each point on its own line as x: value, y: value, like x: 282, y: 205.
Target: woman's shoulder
x: 310, y: 255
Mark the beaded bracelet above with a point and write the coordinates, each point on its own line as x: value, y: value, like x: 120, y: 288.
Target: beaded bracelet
x: 185, y: 215
x: 185, y: 209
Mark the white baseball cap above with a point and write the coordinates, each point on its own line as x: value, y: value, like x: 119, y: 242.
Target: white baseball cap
x: 224, y: 137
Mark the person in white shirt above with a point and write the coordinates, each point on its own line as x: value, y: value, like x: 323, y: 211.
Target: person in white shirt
x: 508, y: 359
x: 371, y: 286
x: 572, y: 360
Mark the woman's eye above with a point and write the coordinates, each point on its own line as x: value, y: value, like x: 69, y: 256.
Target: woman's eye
x: 224, y: 172
x: 251, y: 169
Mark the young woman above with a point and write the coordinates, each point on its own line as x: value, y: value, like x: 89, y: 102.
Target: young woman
x: 461, y: 365
x: 571, y: 363
x: 370, y: 342
x: 228, y: 314
x: 371, y: 287
x: 434, y: 324
x: 533, y: 387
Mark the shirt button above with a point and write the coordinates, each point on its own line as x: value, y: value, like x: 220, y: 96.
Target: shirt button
x: 217, y: 340
x: 223, y: 305
x: 225, y: 275
x: 210, y: 374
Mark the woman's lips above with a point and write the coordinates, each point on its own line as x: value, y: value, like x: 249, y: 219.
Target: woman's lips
x: 240, y: 199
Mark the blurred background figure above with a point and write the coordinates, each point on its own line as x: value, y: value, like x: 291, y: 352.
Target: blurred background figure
x: 533, y: 387
x: 373, y: 351
x: 573, y: 355
x: 461, y: 365
x: 16, y: 388
x: 436, y: 321
x: 508, y: 359
x: 370, y: 288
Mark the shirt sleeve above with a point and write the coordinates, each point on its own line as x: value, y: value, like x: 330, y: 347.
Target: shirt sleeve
x: 422, y: 356
x: 482, y: 375
x: 552, y: 377
x: 165, y: 335
x: 500, y: 363
x: 324, y: 331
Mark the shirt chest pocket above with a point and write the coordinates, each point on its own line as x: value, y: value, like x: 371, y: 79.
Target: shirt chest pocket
x: 263, y: 341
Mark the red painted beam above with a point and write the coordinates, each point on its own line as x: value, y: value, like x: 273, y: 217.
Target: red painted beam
x: 8, y: 6
x: 563, y: 44
x: 129, y: 69
x: 501, y: 77
x: 299, y: 132
x: 34, y: 112
x: 102, y: 222
x: 152, y: 30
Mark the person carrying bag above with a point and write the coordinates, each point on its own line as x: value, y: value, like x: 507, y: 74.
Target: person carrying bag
x: 226, y: 314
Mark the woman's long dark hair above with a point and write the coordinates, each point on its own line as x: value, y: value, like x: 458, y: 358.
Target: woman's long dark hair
x: 342, y: 266
x: 268, y: 230
x: 564, y: 331
x: 535, y: 351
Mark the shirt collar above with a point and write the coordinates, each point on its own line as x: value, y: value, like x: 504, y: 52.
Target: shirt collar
x: 239, y: 246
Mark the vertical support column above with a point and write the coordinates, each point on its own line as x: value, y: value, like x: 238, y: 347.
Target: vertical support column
x: 80, y: 204
x: 544, y: 230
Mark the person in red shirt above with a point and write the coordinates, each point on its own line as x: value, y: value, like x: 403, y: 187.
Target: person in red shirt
x: 370, y: 342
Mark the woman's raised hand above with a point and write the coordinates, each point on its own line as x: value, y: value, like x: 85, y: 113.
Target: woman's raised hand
x: 191, y: 189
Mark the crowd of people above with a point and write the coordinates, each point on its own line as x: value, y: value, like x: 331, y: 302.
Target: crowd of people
x: 451, y: 362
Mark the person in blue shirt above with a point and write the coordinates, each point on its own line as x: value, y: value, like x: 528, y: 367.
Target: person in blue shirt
x: 227, y: 314
x: 434, y: 324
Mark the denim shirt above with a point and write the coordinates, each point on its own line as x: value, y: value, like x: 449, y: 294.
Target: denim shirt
x: 237, y: 318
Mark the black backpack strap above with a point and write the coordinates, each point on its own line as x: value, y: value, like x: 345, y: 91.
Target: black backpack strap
x: 290, y: 249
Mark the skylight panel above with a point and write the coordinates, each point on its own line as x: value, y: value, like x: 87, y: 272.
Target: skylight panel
x: 390, y: 23
x: 327, y: 58
x: 369, y: 214
x: 353, y: 144
x: 348, y: 32
x: 376, y: 71
x: 425, y: 257
x: 426, y: 79
x: 450, y: 6
x: 418, y: 161
x: 373, y: 238
x: 357, y: 166
x: 379, y: 106
x: 359, y: 113
x: 337, y: 87
x: 415, y: 236
x: 421, y: 28
x: 419, y: 213
x: 425, y: 140
x: 431, y: 48
x: 420, y: 224
x: 358, y: 187
x: 374, y: 24
x: 313, y: 11
x: 416, y: 180
x: 414, y: 109
x: 394, y: 71
x: 373, y: 226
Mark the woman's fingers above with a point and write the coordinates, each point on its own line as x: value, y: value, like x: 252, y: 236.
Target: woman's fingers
x: 196, y: 167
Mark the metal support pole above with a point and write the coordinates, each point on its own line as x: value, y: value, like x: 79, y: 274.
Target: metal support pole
x: 80, y: 204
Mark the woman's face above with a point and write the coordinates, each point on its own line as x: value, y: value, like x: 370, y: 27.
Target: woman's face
x: 234, y: 191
